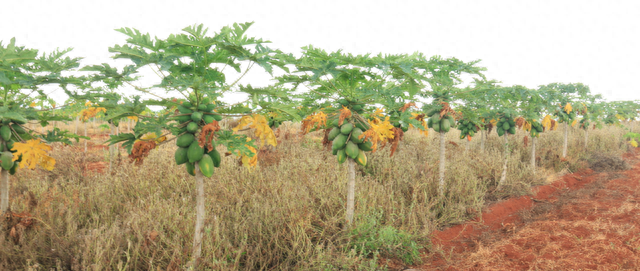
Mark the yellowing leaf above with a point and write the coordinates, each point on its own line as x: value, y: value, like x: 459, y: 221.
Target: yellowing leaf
x: 380, y: 132
x: 379, y: 113
x: 420, y: 117
x: 153, y: 137
x: 261, y: 126
x: 568, y: 108
x: 526, y: 126
x: 546, y: 122
x: 33, y: 104
x: 634, y: 143
x: 573, y: 124
x: 134, y: 118
x: 317, y: 120
x: 91, y: 112
x: 493, y: 122
x: 247, y: 161
x: 618, y: 116
x: 33, y: 153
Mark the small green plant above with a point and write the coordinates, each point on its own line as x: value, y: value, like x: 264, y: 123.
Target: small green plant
x: 371, y: 238
x: 633, y: 138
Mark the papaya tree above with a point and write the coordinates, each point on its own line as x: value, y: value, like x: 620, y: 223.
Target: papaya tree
x: 191, y: 67
x: 530, y: 108
x: 590, y: 110
x: 442, y: 78
x: 564, y: 95
x: 339, y: 91
x: 23, y: 74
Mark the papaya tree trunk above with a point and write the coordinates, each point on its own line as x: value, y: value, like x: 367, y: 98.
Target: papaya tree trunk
x: 85, y: 134
x: 586, y: 138
x: 200, y: 213
x: 566, y: 140
x: 483, y: 135
x: 351, y: 190
x: 442, y: 164
x: 111, y: 147
x: 4, y: 191
x: 75, y: 123
x: 533, y: 154
x: 503, y: 177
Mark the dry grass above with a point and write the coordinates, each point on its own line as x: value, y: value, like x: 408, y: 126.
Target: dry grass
x: 287, y: 214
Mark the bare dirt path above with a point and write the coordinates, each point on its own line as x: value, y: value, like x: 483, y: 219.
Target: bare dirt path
x: 585, y: 221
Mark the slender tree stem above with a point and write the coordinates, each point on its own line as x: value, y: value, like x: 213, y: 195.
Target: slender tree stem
x: 533, y: 154
x: 503, y: 177
x: 586, y: 138
x: 566, y: 140
x: 442, y: 164
x: 4, y: 191
x: 483, y: 135
x: 351, y: 190
x: 200, y: 214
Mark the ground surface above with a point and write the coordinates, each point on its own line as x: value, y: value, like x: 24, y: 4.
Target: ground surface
x: 587, y: 220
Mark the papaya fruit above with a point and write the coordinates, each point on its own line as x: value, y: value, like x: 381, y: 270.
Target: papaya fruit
x: 13, y: 169
x: 185, y: 140
x: 342, y: 156
x: 215, y: 156
x: 208, y: 119
x: 339, y: 142
x: 202, y: 107
x: 500, y: 132
x: 191, y: 168
x: 511, y: 123
x: 445, y: 125
x: 217, y: 117
x: 512, y: 130
x: 431, y: 111
x: 182, y: 119
x: 357, y: 107
x: 184, y: 110
x: 452, y: 122
x: 18, y: 128
x: 361, y: 159
x: 366, y: 146
x: 355, y: 135
x: 506, y: 126
x: 6, y: 160
x: 206, y: 166
x: 334, y: 151
x: 436, y: 126
x: 192, y: 127
x: 361, y: 126
x: 335, y: 123
x: 196, y: 117
x: 181, y: 156
x: 333, y: 133
x: 10, y: 145
x: 352, y: 150
x: 346, y: 128
x: 195, y: 152
x: 343, y: 102
x: 5, y: 132
x: 210, y: 107
x: 429, y: 123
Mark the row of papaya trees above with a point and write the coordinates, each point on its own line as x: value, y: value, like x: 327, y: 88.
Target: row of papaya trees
x: 361, y: 102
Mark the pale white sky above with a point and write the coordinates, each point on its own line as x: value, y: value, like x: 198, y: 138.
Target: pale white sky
x: 529, y: 43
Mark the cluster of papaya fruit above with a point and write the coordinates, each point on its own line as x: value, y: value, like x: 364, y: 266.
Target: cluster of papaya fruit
x: 584, y: 123
x: 467, y: 128
x: 536, y: 129
x: 440, y: 124
x: 8, y: 132
x: 347, y: 142
x: 355, y: 106
x: 563, y: 117
x: 506, y: 124
x: 189, y: 151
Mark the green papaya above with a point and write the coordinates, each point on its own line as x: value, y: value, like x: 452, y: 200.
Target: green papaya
x: 352, y: 150
x: 18, y: 128
x: 210, y: 107
x: 343, y: 102
x: 471, y: 133
x: 217, y: 117
x: 191, y: 168
x: 335, y: 123
x: 436, y: 126
x: 355, y: 135
x: 182, y: 119
x: 13, y: 169
x: 339, y: 142
x: 506, y: 126
x: 452, y: 122
x: 346, y: 128
x: 208, y: 119
x: 361, y: 126
x: 511, y: 122
x: 429, y: 123
x: 215, y: 156
x: 6, y: 157
x: 5, y: 132
x: 182, y: 109
x: 206, y: 166
x: 10, y: 145
x: 512, y: 130
x: 357, y: 107
x: 445, y: 125
x: 196, y: 117
x: 202, y: 107
x: 342, y: 156
x: 431, y: 111
x: 185, y: 140
x: 500, y: 132
x: 333, y: 133
x: 361, y: 159
x: 366, y: 146
x: 334, y: 151
x: 195, y: 152
x: 192, y: 127
x: 181, y: 156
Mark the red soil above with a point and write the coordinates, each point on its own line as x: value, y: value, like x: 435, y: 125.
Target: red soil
x: 584, y: 221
